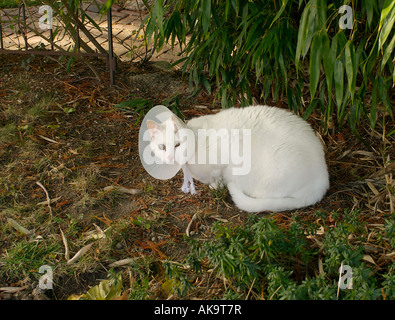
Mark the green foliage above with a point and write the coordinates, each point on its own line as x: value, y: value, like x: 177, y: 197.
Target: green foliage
x: 137, y: 105
x: 26, y: 257
x: 274, y: 48
x: 141, y: 106
x: 262, y: 260
x: 16, y: 3
x: 179, y: 282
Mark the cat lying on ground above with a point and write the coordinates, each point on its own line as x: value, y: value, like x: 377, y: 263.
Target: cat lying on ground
x: 267, y: 157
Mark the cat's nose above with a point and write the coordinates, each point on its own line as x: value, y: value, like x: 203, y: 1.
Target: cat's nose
x: 170, y: 159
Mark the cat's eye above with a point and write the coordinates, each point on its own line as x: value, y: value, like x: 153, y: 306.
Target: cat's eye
x: 162, y: 147
x: 177, y: 145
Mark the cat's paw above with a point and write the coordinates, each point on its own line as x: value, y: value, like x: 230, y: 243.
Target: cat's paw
x: 185, y: 188
x: 193, y: 190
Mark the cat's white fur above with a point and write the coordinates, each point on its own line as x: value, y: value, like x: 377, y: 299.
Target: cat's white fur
x: 288, y: 169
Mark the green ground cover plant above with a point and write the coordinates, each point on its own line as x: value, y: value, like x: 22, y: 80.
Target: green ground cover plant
x: 263, y: 261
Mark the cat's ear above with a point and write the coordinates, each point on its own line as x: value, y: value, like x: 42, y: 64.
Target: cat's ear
x: 153, y: 127
x: 174, y: 124
x: 178, y: 124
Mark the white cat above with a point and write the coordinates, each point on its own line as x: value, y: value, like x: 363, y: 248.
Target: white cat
x: 281, y: 166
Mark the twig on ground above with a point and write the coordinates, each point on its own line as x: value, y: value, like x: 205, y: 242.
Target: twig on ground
x: 66, y: 246
x: 48, y: 139
x: 190, y: 224
x: 46, y: 193
x: 46, y: 202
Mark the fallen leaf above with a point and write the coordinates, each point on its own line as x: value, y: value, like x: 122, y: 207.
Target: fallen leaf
x: 369, y: 259
x: 373, y: 188
x: 18, y: 227
x: 123, y: 296
x: 122, y: 189
x: 106, y: 290
x: 390, y: 255
x: 320, y: 267
x: 122, y: 262
x: 12, y: 289
x: 96, y: 234
x: 80, y: 253
x: 168, y: 286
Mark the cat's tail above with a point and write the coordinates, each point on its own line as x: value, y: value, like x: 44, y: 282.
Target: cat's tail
x: 244, y: 202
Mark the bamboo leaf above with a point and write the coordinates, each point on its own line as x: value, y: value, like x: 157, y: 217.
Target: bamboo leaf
x: 227, y: 8
x: 91, y: 21
x: 339, y: 82
x: 206, y: 14
x: 135, y: 105
x: 349, y: 54
x: 329, y: 67
x: 235, y: 5
x: 282, y: 65
x: 387, y: 19
x: 329, y: 60
x: 291, y: 100
x: 312, y: 24
x: 384, y: 96
x: 315, y: 64
x: 387, y: 52
x: 279, y: 12
x: 302, y: 34
x: 106, y: 6
x: 311, y: 27
x: 369, y: 11
x: 310, y: 109
x: 206, y: 84
x: 156, y: 19
x: 341, y: 109
x: 321, y: 13
x: 393, y: 76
